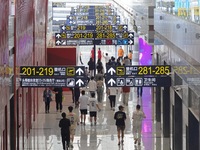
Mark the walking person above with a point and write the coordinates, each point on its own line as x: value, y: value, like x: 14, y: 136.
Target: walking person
x: 120, y: 53
x: 47, y: 99
x: 112, y: 92
x: 92, y: 85
x: 107, y: 58
x: 58, y: 91
x: 74, y: 121
x: 125, y: 94
x: 100, y: 90
x: 77, y: 94
x: 139, y: 91
x: 130, y: 56
x: 83, y: 101
x: 99, y: 54
x: 91, y: 65
x: 138, y: 116
x: 120, y: 118
x: 64, y: 124
x: 93, y: 105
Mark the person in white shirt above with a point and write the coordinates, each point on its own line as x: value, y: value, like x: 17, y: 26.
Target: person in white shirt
x: 112, y: 92
x: 92, y: 85
x: 138, y: 116
x: 74, y: 121
x: 93, y: 105
x: 83, y: 101
x: 107, y: 58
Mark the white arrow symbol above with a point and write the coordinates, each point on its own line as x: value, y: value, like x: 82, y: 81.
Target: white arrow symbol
x: 130, y: 42
x: 79, y: 82
x: 79, y: 71
x: 111, y: 71
x: 63, y: 27
x: 124, y: 27
x: 58, y: 35
x: 130, y: 35
x: 111, y: 82
x: 58, y: 42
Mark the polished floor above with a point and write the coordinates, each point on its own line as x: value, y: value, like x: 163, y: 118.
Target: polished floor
x: 45, y: 134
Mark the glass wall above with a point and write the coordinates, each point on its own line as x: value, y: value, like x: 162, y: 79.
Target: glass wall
x: 187, y: 9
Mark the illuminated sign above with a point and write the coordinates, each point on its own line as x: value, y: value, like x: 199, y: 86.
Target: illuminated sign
x: 105, y: 35
x: 156, y: 70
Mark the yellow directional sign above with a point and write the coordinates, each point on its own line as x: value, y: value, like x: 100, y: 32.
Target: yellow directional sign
x: 64, y: 35
x: 70, y: 71
x: 120, y: 71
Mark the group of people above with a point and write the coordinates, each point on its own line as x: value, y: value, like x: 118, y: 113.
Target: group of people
x: 70, y: 120
x: 47, y: 98
x: 121, y: 60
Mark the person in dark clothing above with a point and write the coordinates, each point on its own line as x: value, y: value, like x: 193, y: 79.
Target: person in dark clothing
x: 91, y: 65
x: 58, y: 91
x: 120, y: 118
x: 139, y: 91
x: 64, y: 124
x: 72, y: 90
x: 99, y: 66
x: 47, y: 99
x: 77, y: 94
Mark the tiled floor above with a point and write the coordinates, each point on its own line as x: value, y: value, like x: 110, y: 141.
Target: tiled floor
x: 45, y: 134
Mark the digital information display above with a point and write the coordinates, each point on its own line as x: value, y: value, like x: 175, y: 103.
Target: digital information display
x: 49, y: 71
x: 52, y: 82
x: 155, y: 70
x: 138, y: 81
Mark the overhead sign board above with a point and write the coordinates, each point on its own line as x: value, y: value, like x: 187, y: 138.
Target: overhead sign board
x: 94, y: 28
x: 98, y: 38
x: 52, y: 76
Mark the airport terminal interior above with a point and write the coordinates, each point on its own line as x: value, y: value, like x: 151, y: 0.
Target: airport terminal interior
x: 140, y: 52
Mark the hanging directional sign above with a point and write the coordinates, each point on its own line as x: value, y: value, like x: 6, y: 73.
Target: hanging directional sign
x: 94, y: 28
x: 138, y: 81
x: 156, y: 70
x: 52, y: 82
